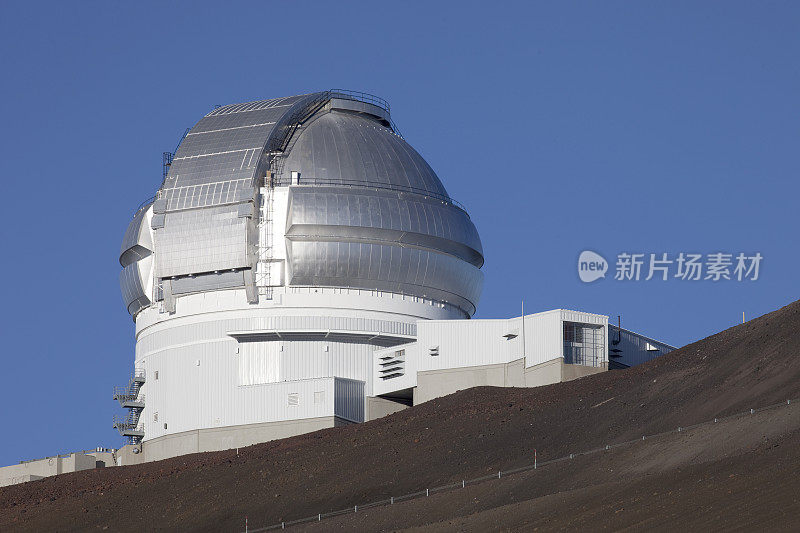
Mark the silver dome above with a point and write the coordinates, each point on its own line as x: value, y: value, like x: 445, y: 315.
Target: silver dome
x: 349, y: 149
x: 364, y: 210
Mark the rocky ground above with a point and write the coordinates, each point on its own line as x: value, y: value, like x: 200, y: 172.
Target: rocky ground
x: 740, y: 473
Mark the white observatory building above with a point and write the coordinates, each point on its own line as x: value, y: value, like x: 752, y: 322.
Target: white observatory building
x: 280, y: 277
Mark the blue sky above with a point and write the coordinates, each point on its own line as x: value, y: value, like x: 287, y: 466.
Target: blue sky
x: 614, y: 127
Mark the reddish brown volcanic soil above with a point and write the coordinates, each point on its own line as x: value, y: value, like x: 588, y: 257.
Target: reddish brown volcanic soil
x: 739, y: 473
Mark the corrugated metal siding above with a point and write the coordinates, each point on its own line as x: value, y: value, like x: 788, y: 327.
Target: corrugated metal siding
x: 268, y: 362
x: 161, y: 338
x: 634, y: 347
x: 462, y: 343
x: 349, y: 399
x: 342, y: 359
x: 543, y: 338
x: 188, y: 395
x: 200, y: 381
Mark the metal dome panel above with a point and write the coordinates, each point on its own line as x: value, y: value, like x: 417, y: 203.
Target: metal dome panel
x: 390, y: 268
x: 355, y: 214
x: 341, y: 148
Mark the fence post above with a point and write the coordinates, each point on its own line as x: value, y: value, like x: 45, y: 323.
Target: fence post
x: 752, y: 411
x: 355, y: 509
x: 391, y: 500
x: 427, y: 492
x: 319, y: 517
x: 498, y: 474
x: 283, y: 525
x: 463, y: 483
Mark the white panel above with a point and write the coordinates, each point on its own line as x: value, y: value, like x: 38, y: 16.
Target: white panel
x: 463, y: 343
x: 259, y: 362
x: 216, y: 326
x: 543, y: 337
x: 406, y: 381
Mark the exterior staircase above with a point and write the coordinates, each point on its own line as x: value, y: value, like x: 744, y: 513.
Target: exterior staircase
x: 129, y: 398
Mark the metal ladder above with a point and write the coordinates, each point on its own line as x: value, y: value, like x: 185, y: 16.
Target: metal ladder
x: 265, y: 244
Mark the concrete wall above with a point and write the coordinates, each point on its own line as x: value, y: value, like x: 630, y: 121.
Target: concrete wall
x: 224, y: 438
x: 4, y: 482
x: 103, y: 458
x: 49, y: 466
x: 380, y: 407
x: 570, y: 372
x: 543, y: 373
x: 436, y: 383
x: 126, y: 456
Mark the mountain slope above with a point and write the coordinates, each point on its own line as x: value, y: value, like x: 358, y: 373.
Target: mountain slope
x: 464, y: 435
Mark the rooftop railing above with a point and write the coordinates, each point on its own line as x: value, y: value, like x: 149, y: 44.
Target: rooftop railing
x: 368, y: 98
x: 144, y: 205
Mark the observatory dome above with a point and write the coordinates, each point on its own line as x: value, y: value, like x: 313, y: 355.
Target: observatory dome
x: 364, y: 209
x: 290, y: 238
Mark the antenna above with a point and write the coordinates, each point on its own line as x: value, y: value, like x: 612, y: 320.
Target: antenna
x: 523, y: 328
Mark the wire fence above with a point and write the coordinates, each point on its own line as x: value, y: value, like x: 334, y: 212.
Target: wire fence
x: 500, y: 473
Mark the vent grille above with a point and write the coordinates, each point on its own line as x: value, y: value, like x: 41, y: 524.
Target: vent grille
x: 293, y: 398
x: 392, y: 365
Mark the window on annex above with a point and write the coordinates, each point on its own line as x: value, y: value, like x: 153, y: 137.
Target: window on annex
x: 584, y: 344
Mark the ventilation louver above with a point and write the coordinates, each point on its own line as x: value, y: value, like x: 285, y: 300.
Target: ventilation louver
x: 393, y: 365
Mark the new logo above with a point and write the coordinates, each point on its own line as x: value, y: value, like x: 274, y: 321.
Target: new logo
x: 591, y: 266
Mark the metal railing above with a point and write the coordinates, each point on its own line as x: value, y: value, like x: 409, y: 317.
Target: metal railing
x: 128, y: 422
x: 500, y: 473
x: 358, y: 96
x: 130, y: 394
x: 124, y: 394
x: 368, y: 98
x: 144, y: 205
x: 127, y: 394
